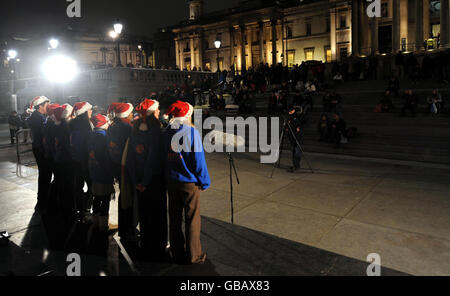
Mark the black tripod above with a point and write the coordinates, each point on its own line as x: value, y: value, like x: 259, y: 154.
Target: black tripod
x: 232, y: 167
x: 287, y: 125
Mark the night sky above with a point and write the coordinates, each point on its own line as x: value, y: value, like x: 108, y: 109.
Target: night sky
x: 24, y: 18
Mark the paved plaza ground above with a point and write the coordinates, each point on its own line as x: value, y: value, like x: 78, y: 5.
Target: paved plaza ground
x: 321, y: 223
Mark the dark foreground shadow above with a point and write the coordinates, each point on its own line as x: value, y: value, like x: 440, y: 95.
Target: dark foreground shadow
x: 232, y: 251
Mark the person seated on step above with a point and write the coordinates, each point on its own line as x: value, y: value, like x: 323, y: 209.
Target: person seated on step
x: 385, y: 104
x: 435, y: 102
x: 338, y: 128
x: 411, y: 101
x: 323, y: 127
x: 335, y: 102
x: 393, y: 85
x: 298, y: 99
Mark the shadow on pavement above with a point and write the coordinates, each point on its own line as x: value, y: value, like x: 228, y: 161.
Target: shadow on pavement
x: 232, y: 251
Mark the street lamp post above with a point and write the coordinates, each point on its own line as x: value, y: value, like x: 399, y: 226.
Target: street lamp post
x: 140, y: 55
x: 12, y: 60
x: 217, y: 44
x: 118, y: 27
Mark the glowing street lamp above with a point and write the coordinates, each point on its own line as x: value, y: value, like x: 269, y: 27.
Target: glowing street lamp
x: 113, y: 34
x: 54, y: 43
x: 118, y: 28
x: 12, y: 54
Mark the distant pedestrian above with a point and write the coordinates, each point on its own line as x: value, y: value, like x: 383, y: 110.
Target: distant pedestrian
x: 14, y: 125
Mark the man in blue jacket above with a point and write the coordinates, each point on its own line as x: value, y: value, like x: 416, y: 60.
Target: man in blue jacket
x: 36, y: 123
x: 187, y: 175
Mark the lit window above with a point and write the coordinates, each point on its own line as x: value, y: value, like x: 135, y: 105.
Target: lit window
x: 309, y: 54
x: 291, y: 58
x: 328, y: 55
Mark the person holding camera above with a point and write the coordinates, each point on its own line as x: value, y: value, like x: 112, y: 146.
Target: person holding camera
x: 295, y: 137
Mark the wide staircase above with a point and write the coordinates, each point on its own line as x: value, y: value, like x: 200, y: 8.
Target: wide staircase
x: 424, y: 138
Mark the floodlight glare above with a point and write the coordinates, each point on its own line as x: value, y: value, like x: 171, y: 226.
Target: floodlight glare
x: 217, y: 44
x: 118, y: 28
x: 54, y: 43
x: 12, y: 54
x: 60, y: 69
x: 113, y: 35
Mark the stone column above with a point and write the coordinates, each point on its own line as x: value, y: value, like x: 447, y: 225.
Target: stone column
x: 200, y: 51
x: 181, y: 46
x: 249, y: 41
x: 283, y: 47
x: 231, y: 30
x: 444, y: 23
x: 355, y: 28
x: 192, y: 53
x: 243, y: 61
x: 426, y: 19
x: 419, y: 24
x: 374, y: 35
x: 177, y: 53
x: 333, y: 34
x: 395, y: 26
x: 274, y: 42
x: 261, y: 41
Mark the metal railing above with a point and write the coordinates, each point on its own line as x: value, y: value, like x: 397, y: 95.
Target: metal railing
x: 22, y: 160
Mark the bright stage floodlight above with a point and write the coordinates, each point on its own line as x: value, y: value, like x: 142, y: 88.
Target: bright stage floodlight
x: 54, y: 43
x: 12, y: 54
x: 60, y: 69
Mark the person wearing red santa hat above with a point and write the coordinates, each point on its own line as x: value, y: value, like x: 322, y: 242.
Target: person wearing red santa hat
x: 36, y: 122
x: 64, y: 177
x: 49, y: 152
x: 121, y: 115
x: 100, y: 171
x: 145, y: 166
x: 80, y: 128
x: 186, y: 175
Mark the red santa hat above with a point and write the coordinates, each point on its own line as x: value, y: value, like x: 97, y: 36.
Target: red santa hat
x: 51, y: 109
x: 147, y: 107
x: 120, y: 110
x: 36, y: 102
x: 100, y: 121
x: 63, y: 112
x: 180, y: 111
x: 80, y: 108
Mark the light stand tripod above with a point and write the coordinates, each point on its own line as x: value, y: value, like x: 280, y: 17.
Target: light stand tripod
x: 232, y: 167
x: 286, y: 126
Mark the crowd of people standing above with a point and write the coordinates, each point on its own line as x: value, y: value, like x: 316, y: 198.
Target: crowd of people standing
x: 81, y: 147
